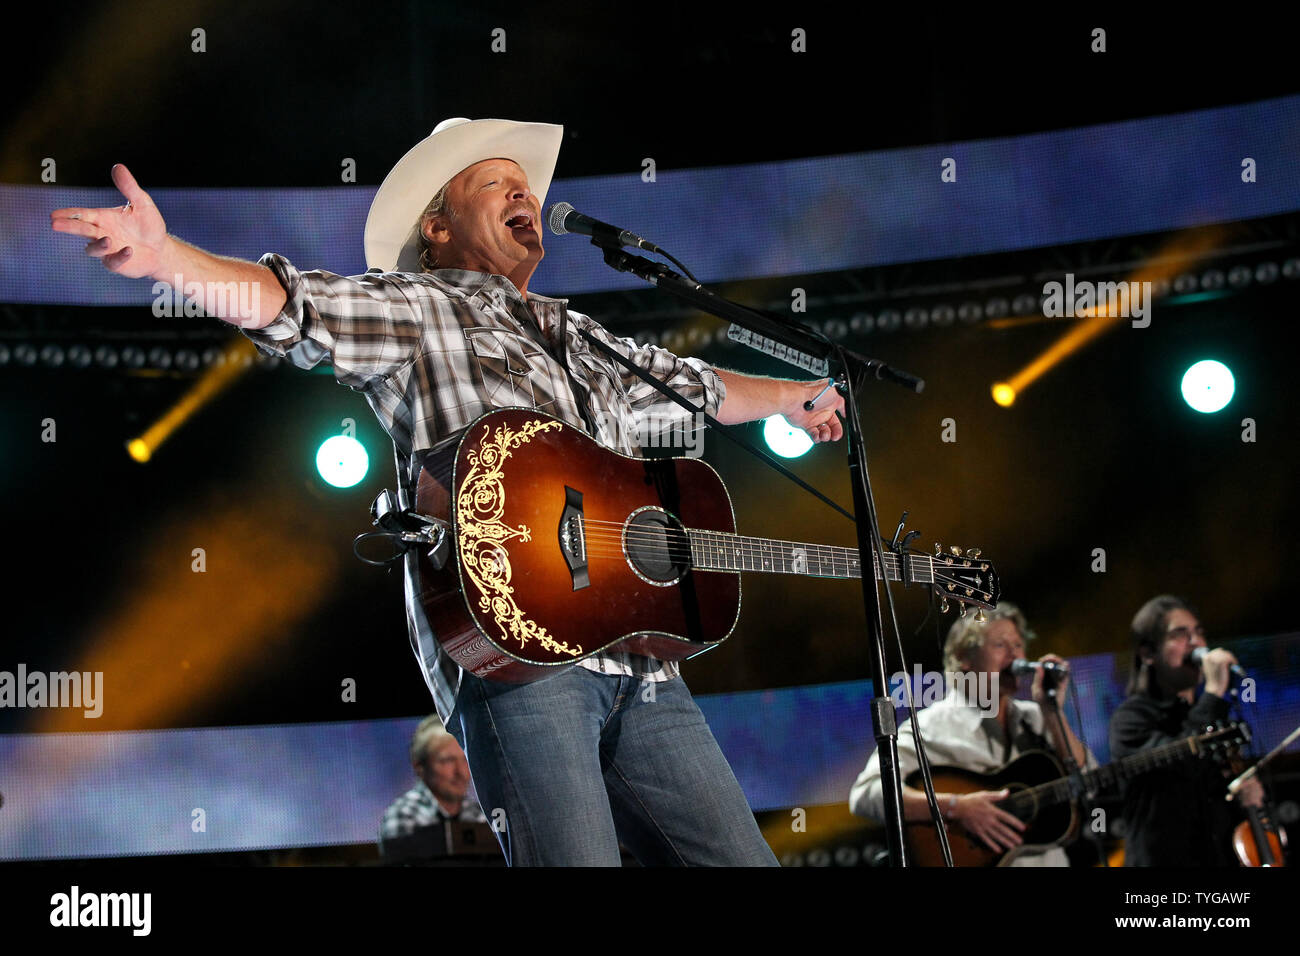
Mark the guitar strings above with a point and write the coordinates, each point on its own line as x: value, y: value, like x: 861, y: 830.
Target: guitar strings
x: 657, y: 542
x: 723, y: 538
x: 675, y: 547
x: 733, y: 540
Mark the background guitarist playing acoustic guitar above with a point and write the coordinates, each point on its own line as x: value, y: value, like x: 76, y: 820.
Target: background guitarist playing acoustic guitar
x: 979, y: 736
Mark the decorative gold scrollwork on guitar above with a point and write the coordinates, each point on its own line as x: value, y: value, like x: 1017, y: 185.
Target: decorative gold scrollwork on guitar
x: 482, y: 535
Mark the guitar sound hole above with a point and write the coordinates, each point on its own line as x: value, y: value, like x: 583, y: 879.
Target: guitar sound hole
x: 657, y: 547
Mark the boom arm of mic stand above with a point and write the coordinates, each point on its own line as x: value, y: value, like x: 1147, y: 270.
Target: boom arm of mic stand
x: 788, y: 333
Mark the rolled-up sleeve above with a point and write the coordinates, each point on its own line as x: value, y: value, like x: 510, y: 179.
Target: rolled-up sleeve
x: 365, y: 325
x: 694, y: 378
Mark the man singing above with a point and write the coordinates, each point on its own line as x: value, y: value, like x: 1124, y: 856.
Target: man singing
x: 440, y: 331
x: 1177, y: 815
x: 980, y: 735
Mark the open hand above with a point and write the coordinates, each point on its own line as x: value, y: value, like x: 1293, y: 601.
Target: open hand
x: 129, y: 239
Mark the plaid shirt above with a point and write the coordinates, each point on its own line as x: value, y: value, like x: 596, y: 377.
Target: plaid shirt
x: 419, y: 808
x: 432, y: 352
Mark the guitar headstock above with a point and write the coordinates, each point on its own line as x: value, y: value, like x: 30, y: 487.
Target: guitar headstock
x: 1224, y: 741
x: 965, y: 577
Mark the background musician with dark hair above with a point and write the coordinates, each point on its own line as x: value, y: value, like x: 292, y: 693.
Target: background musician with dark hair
x: 1176, y: 815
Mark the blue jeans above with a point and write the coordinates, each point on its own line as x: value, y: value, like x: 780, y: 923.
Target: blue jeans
x: 583, y: 760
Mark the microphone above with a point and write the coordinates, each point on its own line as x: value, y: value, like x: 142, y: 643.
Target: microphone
x: 1021, y: 667
x: 1198, y: 655
x: 564, y: 219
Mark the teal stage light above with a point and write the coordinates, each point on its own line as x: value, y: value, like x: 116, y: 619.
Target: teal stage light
x: 1208, y: 386
x: 784, y: 439
x: 342, y: 461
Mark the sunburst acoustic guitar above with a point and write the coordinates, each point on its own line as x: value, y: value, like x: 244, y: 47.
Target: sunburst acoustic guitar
x: 559, y: 548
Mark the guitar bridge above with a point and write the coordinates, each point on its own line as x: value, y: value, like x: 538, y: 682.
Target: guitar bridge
x: 573, y: 542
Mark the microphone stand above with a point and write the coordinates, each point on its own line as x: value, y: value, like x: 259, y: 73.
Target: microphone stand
x: 848, y: 365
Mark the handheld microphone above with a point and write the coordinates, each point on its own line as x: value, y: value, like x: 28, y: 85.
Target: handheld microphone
x: 564, y: 219
x: 1021, y: 667
x: 1198, y: 655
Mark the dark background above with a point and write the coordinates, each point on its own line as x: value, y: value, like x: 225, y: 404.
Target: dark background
x: 1100, y: 453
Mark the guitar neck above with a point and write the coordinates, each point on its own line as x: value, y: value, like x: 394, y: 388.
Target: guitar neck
x: 720, y: 551
x: 1109, y: 776
x: 1166, y: 755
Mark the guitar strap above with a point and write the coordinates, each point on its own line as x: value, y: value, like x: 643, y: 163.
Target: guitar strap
x: 709, y: 419
x: 558, y: 350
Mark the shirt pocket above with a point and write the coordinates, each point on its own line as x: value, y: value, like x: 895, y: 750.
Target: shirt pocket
x: 598, y: 371
x: 504, y: 366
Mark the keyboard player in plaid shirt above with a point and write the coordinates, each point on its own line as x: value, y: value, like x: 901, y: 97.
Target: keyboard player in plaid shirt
x: 439, y: 331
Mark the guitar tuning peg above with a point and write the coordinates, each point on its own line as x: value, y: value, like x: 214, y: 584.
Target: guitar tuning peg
x: 955, y: 550
x: 943, y: 604
x: 973, y: 552
x: 938, y: 549
x: 979, y: 616
x: 961, y: 610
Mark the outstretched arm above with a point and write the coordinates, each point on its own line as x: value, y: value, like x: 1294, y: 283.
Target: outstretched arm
x: 132, y: 241
x: 749, y: 398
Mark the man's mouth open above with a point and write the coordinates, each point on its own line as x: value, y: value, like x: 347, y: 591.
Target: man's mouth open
x: 520, y: 221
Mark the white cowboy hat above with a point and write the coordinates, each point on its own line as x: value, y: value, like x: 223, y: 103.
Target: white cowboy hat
x: 392, y: 237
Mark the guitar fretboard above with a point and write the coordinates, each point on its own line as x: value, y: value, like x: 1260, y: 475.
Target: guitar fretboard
x: 719, y: 551
x: 1110, y: 776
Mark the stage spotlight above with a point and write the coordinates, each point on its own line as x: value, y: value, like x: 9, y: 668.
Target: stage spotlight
x: 4, y: 354
x: 1004, y: 394
x: 52, y: 355
x: 106, y: 356
x: 784, y: 439
x: 139, y: 450
x: 1266, y: 272
x: 79, y: 356
x: 1208, y: 386
x: 943, y: 315
x: 342, y: 461
x: 916, y: 318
